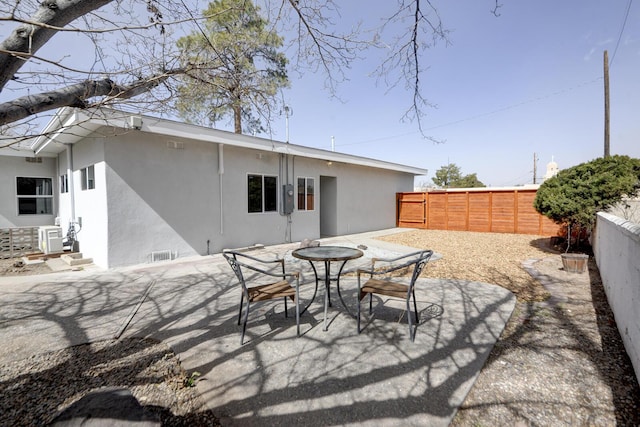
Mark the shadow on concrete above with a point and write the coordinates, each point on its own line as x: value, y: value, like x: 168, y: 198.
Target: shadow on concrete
x: 558, y: 360
x: 322, y: 378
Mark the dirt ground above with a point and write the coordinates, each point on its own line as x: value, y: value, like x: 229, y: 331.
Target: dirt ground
x: 17, y: 267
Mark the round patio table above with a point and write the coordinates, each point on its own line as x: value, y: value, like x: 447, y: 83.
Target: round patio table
x: 327, y: 255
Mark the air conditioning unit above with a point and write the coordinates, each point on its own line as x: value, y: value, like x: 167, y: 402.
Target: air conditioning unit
x: 50, y: 239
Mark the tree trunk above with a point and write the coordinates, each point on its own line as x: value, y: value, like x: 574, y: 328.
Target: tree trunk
x: 237, y: 119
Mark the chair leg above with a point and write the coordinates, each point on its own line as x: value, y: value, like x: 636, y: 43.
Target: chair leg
x: 370, y: 303
x: 412, y: 333
x: 358, y: 315
x: 240, y: 310
x: 286, y: 314
x: 409, y: 319
x: 297, y: 313
x: 244, y: 324
x: 415, y: 308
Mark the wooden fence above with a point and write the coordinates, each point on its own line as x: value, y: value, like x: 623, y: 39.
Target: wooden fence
x: 17, y: 242
x: 484, y: 210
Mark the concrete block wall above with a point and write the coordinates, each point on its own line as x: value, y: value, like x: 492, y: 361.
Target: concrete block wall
x: 616, y: 246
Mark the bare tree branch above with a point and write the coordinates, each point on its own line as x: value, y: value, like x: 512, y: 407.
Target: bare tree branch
x: 29, y: 38
x: 402, y: 67
x: 78, y: 95
x: 495, y: 9
x: 138, y: 39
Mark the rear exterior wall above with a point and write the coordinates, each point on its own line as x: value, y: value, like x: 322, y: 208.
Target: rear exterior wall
x: 155, y: 193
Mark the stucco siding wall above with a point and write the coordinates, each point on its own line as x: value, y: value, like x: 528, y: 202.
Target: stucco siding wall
x: 306, y: 223
x: 91, y: 204
x: 616, y: 248
x: 160, y: 197
x: 367, y: 198
x: 156, y: 193
x: 241, y: 228
x: 12, y: 167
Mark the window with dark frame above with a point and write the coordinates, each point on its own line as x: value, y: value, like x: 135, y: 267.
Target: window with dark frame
x: 262, y: 193
x: 306, y: 193
x: 35, y: 196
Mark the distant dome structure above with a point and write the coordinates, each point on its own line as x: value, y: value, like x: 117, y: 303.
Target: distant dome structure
x: 552, y: 169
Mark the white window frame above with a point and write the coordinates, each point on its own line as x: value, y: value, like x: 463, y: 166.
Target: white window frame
x: 305, y: 194
x: 88, y: 178
x: 263, y: 195
x: 43, y: 195
x: 64, y: 183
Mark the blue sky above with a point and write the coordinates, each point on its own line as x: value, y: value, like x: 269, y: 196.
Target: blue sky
x: 529, y: 81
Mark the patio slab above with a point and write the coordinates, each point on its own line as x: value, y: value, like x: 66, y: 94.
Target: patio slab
x: 333, y: 377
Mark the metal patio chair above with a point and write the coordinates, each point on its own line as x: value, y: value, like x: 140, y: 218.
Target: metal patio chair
x: 381, y: 285
x: 269, y: 282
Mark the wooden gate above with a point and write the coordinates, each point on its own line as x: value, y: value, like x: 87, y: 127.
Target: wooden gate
x: 484, y: 210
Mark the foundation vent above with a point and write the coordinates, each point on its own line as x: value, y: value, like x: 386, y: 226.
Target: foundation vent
x: 157, y: 256
x: 177, y: 145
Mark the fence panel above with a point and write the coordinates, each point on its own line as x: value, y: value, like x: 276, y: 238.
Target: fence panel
x: 17, y: 242
x: 486, y: 210
x: 410, y: 209
x: 480, y: 212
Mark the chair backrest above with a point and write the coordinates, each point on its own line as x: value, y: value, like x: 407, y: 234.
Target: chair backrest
x: 420, y: 262
x: 235, y: 265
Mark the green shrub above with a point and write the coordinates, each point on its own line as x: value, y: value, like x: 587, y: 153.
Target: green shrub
x: 575, y: 195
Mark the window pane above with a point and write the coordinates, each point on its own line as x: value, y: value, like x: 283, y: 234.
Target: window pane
x: 64, y: 183
x: 34, y: 205
x: 34, y: 186
x: 301, y: 202
x: 270, y: 194
x: 26, y: 186
x: 255, y: 193
x: 91, y: 179
x: 88, y: 178
x: 83, y: 178
x: 310, y: 193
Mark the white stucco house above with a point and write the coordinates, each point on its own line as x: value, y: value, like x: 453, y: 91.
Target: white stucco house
x: 136, y: 185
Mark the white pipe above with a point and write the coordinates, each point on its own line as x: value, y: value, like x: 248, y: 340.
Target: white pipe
x: 71, y: 188
x: 220, y: 174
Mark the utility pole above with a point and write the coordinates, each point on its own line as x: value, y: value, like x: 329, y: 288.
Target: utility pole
x: 535, y: 160
x: 606, y: 104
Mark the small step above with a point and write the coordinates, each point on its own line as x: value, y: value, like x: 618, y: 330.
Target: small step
x: 75, y: 258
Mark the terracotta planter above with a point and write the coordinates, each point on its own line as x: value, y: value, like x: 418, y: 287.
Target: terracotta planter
x: 574, y: 263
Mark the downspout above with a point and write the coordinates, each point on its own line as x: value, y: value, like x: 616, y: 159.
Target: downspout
x: 72, y: 198
x: 220, y: 174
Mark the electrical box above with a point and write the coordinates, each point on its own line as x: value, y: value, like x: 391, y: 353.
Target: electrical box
x: 287, y: 199
x: 135, y: 122
x: 50, y: 239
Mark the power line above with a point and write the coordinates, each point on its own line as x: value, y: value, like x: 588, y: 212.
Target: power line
x: 478, y: 116
x: 624, y: 23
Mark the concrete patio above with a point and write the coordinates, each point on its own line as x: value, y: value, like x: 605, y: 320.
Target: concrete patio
x: 333, y: 377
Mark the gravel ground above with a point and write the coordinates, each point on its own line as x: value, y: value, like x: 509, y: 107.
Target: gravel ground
x: 560, y: 360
